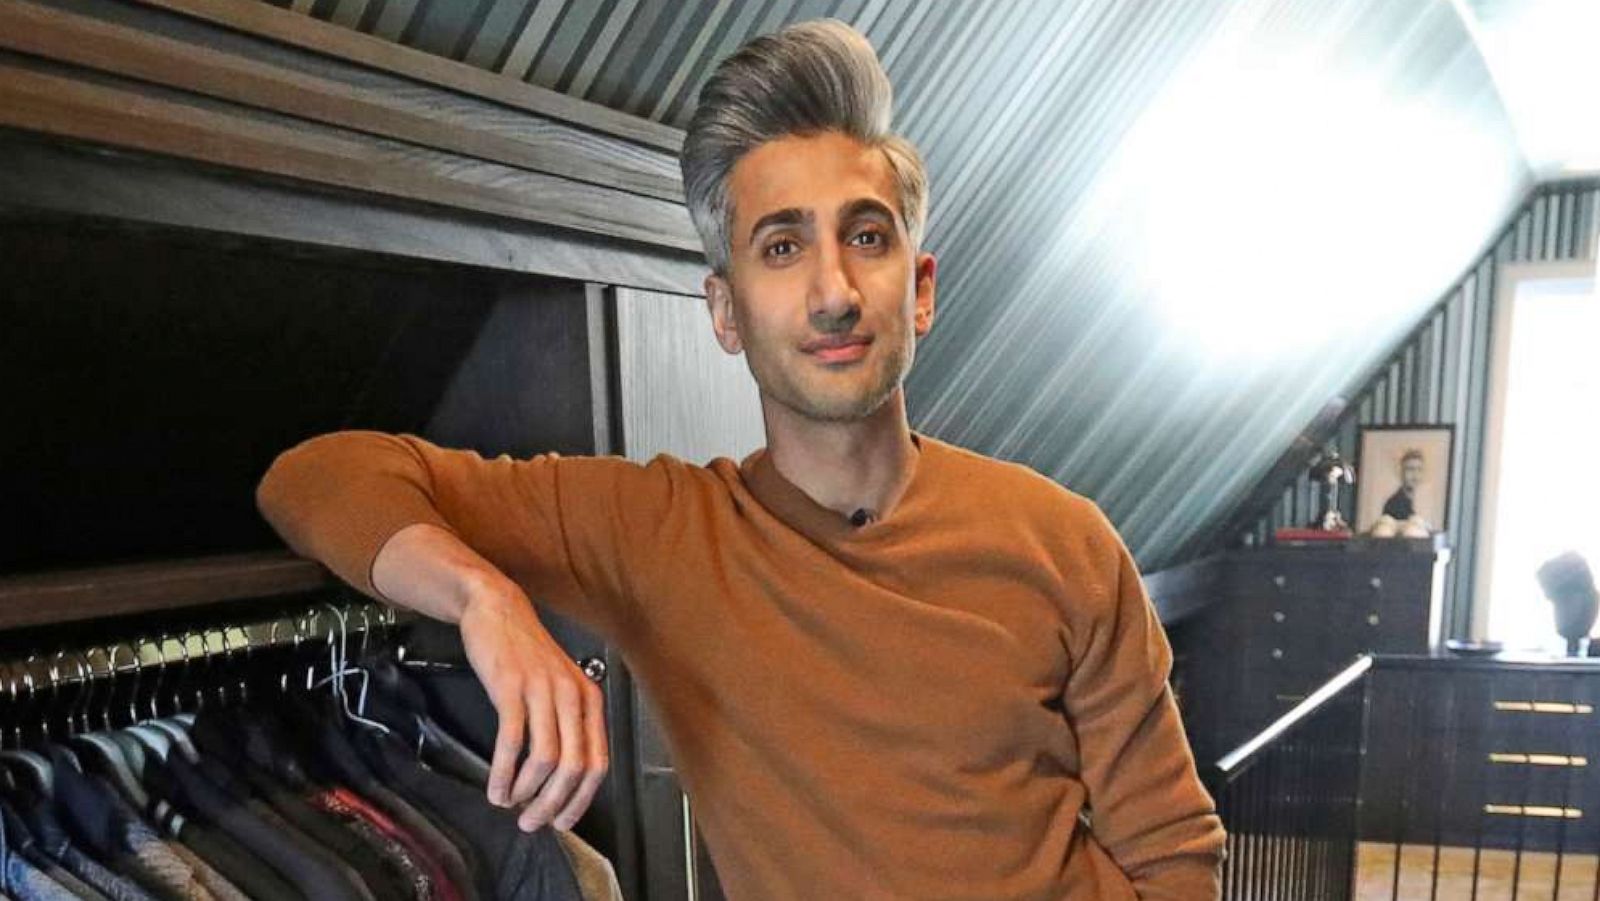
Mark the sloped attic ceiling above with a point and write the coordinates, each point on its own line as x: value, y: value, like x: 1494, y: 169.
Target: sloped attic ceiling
x: 1169, y: 231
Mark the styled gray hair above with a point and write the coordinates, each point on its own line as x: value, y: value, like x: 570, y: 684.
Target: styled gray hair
x: 808, y: 78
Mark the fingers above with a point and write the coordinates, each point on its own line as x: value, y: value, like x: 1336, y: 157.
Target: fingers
x: 599, y: 758
x: 555, y: 791
x: 507, y: 746
x: 544, y: 745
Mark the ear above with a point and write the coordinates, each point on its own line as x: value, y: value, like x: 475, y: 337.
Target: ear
x: 926, y: 276
x: 719, y: 300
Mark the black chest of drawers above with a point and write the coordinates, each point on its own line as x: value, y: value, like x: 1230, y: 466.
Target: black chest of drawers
x: 1497, y: 753
x: 1288, y: 618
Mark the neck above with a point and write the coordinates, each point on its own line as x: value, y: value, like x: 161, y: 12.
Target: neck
x: 845, y: 466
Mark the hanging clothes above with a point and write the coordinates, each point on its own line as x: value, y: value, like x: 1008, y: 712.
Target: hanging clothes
x: 395, y: 700
x: 293, y: 796
x: 20, y: 878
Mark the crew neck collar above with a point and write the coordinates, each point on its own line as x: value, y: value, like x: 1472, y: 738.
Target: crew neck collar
x: 786, y: 501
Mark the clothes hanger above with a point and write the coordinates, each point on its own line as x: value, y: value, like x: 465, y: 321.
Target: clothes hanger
x: 33, y: 768
x: 171, y: 725
x: 339, y: 668
x: 132, y: 750
x: 154, y: 740
x: 97, y: 749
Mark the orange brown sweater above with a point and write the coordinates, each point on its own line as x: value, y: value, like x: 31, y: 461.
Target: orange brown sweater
x: 935, y: 705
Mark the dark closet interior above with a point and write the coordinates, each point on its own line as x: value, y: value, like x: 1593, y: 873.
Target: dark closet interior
x: 155, y: 374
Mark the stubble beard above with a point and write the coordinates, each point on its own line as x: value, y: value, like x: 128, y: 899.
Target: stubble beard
x: 821, y: 402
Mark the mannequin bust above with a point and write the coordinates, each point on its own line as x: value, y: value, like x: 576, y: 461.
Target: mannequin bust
x: 1569, y: 585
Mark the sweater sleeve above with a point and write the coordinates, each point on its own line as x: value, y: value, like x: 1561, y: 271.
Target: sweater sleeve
x: 1146, y: 803
x: 558, y: 526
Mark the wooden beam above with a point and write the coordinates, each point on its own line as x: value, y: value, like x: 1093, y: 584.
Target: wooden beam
x: 125, y: 51
x: 66, y: 107
x: 77, y: 595
x: 265, y: 20
x: 52, y: 176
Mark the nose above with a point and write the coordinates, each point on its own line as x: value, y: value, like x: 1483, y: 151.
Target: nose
x: 833, y: 305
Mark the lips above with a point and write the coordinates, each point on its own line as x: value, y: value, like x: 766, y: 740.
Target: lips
x: 838, y: 348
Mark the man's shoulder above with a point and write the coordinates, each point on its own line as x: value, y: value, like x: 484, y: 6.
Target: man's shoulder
x: 668, y: 475
x: 1027, y: 512
x: 1016, y: 486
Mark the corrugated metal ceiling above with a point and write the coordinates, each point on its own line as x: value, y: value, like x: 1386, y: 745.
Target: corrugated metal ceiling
x: 1169, y: 231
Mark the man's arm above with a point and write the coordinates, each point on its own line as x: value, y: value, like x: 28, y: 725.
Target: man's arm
x: 535, y: 688
x: 1147, y: 806
x: 457, y: 537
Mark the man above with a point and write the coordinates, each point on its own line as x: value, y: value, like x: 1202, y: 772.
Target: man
x: 1400, y: 516
x: 887, y: 667
x: 1402, y: 505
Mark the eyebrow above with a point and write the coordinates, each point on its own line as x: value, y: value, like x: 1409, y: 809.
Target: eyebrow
x: 863, y: 207
x: 866, y: 207
x: 791, y: 216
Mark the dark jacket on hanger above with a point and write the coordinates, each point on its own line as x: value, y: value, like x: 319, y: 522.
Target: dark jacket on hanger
x: 528, y: 866
x: 181, y: 782
x: 94, y: 814
x: 20, y: 840
x: 220, y: 747
x: 54, y: 841
x: 327, y: 746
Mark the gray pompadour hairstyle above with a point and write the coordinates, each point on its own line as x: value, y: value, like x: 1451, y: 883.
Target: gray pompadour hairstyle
x: 808, y: 78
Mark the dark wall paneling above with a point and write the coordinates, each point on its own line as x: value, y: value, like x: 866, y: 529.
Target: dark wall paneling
x: 189, y: 55
x: 681, y: 393
x: 379, y: 51
x: 1439, y: 375
x: 143, y: 190
x: 271, y: 102
x: 644, y: 57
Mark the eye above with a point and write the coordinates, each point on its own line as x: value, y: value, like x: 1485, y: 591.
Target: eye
x: 869, y: 239
x: 781, y: 248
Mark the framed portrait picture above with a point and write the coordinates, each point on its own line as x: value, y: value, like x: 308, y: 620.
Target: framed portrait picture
x: 1403, y: 480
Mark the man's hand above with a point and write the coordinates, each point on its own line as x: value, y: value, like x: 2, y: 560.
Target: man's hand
x: 539, y: 695
x: 543, y: 700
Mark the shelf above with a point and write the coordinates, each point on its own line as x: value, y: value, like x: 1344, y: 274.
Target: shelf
x: 83, y: 594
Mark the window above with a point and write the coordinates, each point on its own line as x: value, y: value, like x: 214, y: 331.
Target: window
x: 1543, y: 452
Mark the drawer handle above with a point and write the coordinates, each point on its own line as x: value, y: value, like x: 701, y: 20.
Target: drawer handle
x: 1280, y: 581
x: 1277, y: 653
x: 1542, y: 707
x: 1372, y: 619
x: 1278, y: 617
x: 1540, y: 759
x: 1376, y: 583
x: 1527, y: 810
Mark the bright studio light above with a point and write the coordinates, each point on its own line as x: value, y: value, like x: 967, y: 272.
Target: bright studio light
x: 1277, y: 205
x: 1545, y: 55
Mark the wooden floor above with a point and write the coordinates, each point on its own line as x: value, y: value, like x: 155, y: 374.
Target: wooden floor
x: 1535, y: 877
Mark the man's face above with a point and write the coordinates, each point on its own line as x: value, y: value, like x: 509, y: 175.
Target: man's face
x: 1411, y: 472
x: 824, y: 295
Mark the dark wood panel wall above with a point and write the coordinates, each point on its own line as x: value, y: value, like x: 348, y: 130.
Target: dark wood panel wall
x: 223, y: 124
x: 280, y: 98
x: 681, y: 394
x: 1437, y: 375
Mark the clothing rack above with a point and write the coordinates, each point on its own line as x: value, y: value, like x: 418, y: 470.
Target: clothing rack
x: 251, y: 747
x: 172, y: 671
